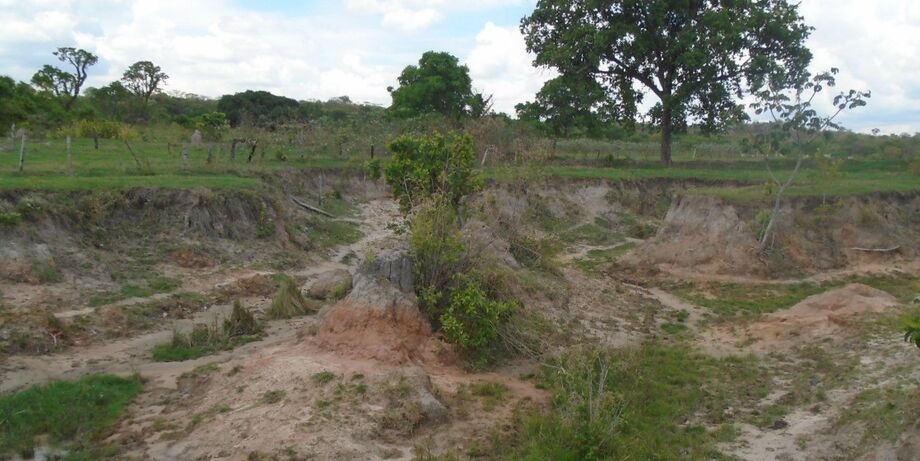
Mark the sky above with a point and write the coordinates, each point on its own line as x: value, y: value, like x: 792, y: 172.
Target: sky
x: 318, y: 49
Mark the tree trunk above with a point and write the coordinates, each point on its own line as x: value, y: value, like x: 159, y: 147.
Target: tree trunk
x: 666, y: 127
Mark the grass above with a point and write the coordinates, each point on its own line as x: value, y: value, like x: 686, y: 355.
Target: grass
x: 857, y: 177
x: 149, y: 288
x: 288, y: 301
x: 240, y: 328
x: 654, y: 402
x: 597, y: 260
x: 328, y: 233
x: 731, y: 300
x: 322, y: 378
x: 884, y: 413
x: 76, y: 412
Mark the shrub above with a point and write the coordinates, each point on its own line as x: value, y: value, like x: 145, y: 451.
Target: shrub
x: 240, y: 328
x: 438, y: 253
x: 424, y: 166
x: 288, y: 301
x: 473, y: 322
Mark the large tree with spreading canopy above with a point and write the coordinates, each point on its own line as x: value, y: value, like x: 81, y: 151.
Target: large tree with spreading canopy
x: 697, y: 57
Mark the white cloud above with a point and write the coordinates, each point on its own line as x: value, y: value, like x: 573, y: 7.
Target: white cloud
x: 500, y: 65
x: 411, y: 20
x: 212, y: 47
x: 876, y: 45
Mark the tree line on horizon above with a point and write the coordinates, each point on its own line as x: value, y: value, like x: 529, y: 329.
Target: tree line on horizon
x: 695, y: 60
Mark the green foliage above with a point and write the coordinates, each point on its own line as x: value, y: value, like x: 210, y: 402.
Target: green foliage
x: 473, y: 322
x: 61, y: 84
x: 567, y: 105
x: 912, y: 330
x: 374, y: 170
x: 66, y: 411
x: 288, y: 301
x: 652, y: 402
x: 212, y: 125
x: 424, y: 166
x: 695, y: 58
x: 201, y: 341
x: 102, y: 129
x: 144, y: 78
x: 438, y: 253
x: 322, y: 378
x: 258, y: 108
x: 437, y: 84
x: 10, y: 218
x: 915, y: 166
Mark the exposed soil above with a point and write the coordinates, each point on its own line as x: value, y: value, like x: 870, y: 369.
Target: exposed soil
x: 369, y: 378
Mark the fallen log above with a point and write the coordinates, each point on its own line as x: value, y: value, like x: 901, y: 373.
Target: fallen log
x: 311, y: 208
x: 877, y: 250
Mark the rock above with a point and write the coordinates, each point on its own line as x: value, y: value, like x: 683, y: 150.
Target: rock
x: 328, y: 282
x: 394, y: 265
x: 433, y: 411
x: 196, y: 138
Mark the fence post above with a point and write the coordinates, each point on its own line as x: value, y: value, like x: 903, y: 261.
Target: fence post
x: 69, y: 157
x: 184, y: 156
x: 22, y: 152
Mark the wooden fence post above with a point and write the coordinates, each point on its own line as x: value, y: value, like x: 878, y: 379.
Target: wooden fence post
x: 22, y: 152
x: 69, y: 157
x: 184, y: 156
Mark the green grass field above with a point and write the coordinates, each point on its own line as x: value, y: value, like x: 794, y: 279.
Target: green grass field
x: 113, y: 166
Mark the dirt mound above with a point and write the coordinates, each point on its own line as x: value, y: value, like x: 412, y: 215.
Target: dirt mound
x: 820, y: 317
x: 379, y: 319
x: 703, y: 233
x: 716, y: 236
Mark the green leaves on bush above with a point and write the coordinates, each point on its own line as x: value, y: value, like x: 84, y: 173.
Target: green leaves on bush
x: 473, y: 322
x: 424, y: 166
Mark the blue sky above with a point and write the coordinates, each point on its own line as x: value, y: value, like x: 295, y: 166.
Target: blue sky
x: 327, y: 48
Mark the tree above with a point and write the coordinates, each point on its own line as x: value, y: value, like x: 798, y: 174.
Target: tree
x: 17, y: 102
x: 425, y: 166
x: 109, y: 99
x: 438, y: 84
x: 62, y: 84
x: 143, y: 78
x: 797, y: 125
x: 696, y: 56
x: 258, y: 108
x: 567, y: 103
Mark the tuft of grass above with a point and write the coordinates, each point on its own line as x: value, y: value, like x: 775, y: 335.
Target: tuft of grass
x: 491, y: 392
x: 79, y: 413
x: 288, y: 301
x: 322, y: 378
x: 271, y: 397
